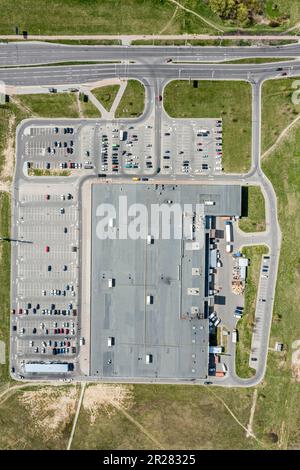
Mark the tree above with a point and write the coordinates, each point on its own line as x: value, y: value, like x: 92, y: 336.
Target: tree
x: 242, y: 14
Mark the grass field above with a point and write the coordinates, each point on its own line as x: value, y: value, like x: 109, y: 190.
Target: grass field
x: 253, y: 210
x: 174, y: 417
x: 106, y: 95
x: 4, y: 279
x: 231, y: 101
x: 277, y: 108
x: 130, y: 17
x: 279, y: 400
x: 245, y: 325
x: 132, y: 103
x: 96, y: 17
x: 56, y: 105
x: 275, y: 9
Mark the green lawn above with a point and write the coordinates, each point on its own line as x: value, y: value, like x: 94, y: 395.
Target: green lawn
x: 257, y: 60
x: 192, y: 42
x: 4, y: 280
x: 39, y: 172
x: 130, y: 17
x: 253, y: 210
x: 277, y: 108
x: 231, y: 101
x: 106, y: 95
x: 132, y: 103
x: 96, y: 17
x: 245, y: 325
x: 56, y: 105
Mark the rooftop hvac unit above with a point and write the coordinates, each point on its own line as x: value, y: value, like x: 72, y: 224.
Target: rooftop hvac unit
x: 149, y: 299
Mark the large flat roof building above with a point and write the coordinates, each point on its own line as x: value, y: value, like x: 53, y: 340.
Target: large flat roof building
x: 149, y: 295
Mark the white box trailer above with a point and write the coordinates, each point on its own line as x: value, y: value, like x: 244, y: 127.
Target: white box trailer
x: 228, y: 232
x: 234, y: 336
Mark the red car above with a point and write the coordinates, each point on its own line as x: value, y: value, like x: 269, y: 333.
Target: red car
x: 47, y: 249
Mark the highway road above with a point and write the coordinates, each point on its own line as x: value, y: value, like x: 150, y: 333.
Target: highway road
x: 41, y: 53
x: 155, y: 73
x: 78, y: 74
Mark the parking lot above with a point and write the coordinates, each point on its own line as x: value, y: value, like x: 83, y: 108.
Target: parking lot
x: 191, y: 147
x: 57, y: 148
x: 127, y: 150
x: 45, y: 284
x: 262, y: 299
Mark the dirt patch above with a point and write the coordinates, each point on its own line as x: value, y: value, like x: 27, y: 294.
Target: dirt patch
x: 9, y: 155
x: 2, y: 352
x: 80, y: 112
x: 50, y: 409
x: 107, y: 397
x: 296, y: 361
x: 260, y: 19
x: 296, y: 365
